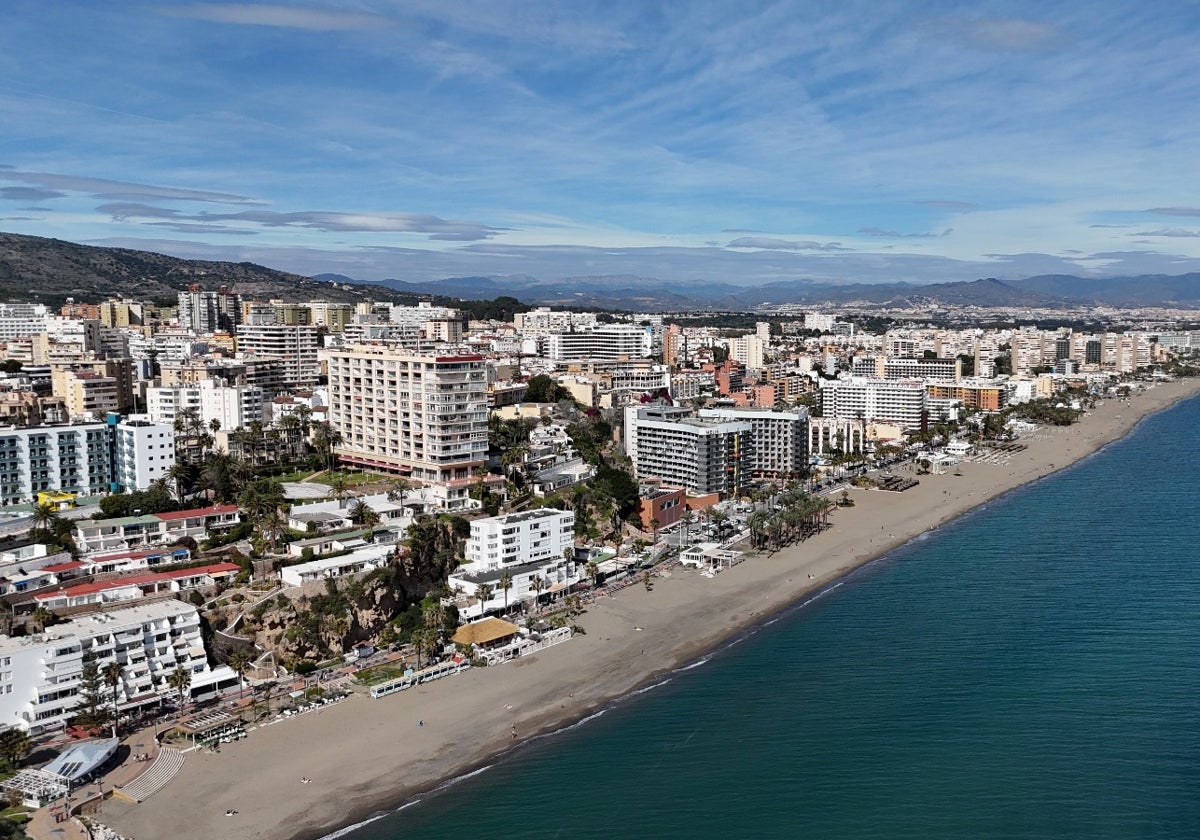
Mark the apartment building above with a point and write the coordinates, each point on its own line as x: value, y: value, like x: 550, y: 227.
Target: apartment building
x: 154, y: 529
x: 606, y: 342
x: 209, y: 312
x: 705, y: 456
x: 40, y: 675
x: 76, y: 459
x: 416, y: 414
x: 901, y: 403
x: 778, y: 439
x: 527, y: 537
x: 974, y: 395
x: 543, y: 320
x: 296, y: 345
x: 143, y: 452
x: 232, y: 407
x: 534, y: 550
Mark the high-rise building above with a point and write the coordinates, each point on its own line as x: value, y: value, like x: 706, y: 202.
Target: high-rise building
x: 295, y: 345
x: 420, y: 415
x: 209, y: 312
x: 778, y: 439
x: 610, y: 342
x: 901, y: 403
x: 704, y: 456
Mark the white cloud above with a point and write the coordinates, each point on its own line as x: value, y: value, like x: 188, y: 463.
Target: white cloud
x: 316, y: 20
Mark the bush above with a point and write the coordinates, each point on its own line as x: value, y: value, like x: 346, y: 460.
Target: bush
x: 304, y: 668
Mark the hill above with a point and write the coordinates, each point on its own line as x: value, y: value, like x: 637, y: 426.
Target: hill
x: 49, y: 271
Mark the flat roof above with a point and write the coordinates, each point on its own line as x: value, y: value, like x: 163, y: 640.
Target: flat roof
x: 92, y: 624
x: 138, y: 580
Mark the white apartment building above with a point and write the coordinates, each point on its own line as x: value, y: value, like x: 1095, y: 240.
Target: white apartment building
x: 750, y: 350
x: 420, y: 415
x: 206, y: 312
x: 233, y: 407
x: 900, y: 403
x: 296, y: 345
x: 535, y: 549
x: 417, y: 316
x: 143, y: 452
x: 704, y: 456
x: 76, y: 459
x: 526, y: 537
x: 779, y: 439
x: 18, y: 320
x: 610, y: 342
x: 40, y: 674
x: 543, y: 320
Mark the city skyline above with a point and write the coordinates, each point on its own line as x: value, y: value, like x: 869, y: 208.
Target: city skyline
x: 841, y: 142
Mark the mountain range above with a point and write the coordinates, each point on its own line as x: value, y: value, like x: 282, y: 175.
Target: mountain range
x: 50, y: 270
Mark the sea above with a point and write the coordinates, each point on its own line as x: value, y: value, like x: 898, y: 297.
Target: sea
x: 1029, y: 671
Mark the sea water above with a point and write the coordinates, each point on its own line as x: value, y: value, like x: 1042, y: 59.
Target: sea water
x: 1031, y: 671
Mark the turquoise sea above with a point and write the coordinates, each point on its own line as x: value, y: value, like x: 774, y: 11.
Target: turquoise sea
x: 1032, y: 671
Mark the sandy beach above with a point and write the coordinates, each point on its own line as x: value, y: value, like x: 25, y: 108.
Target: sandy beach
x: 366, y: 755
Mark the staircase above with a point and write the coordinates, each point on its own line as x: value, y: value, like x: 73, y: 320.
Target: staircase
x: 164, y: 768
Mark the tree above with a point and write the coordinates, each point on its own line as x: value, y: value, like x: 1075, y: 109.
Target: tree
x: 537, y: 585
x: 425, y: 640
x: 397, y: 490
x: 112, y: 678
x: 363, y: 514
x: 15, y: 744
x: 484, y: 593
x: 506, y: 583
x: 340, y: 486
x: 181, y: 680
x: 90, y: 711
x: 592, y: 570
x: 543, y: 389
x: 239, y: 661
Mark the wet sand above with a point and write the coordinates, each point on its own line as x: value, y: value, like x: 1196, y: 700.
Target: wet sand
x: 366, y: 755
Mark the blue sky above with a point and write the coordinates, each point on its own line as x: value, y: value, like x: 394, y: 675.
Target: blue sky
x: 699, y: 141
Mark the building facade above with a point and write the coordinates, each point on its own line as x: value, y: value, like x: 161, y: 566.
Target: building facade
x: 703, y: 456
x: 419, y: 415
x: 40, y: 675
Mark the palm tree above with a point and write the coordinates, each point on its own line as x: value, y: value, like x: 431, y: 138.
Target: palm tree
x: 593, y: 571
x: 398, y: 489
x: 45, y: 517
x: 484, y: 594
x: 340, y: 485
x: 506, y: 583
x: 362, y: 513
x: 274, y: 526
x: 537, y: 585
x: 214, y: 424
x: 239, y: 661
x: 181, y: 680
x: 112, y: 677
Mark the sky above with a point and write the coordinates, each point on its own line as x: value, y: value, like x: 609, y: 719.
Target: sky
x: 743, y: 142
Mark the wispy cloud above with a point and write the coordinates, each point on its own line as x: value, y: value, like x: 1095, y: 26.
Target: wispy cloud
x: 960, y: 206
x: 895, y: 234
x: 1009, y: 34
x: 1171, y: 232
x: 28, y: 194
x: 312, y: 19
x: 125, y: 190
x: 1175, y: 211
x: 439, y: 229
x: 769, y: 244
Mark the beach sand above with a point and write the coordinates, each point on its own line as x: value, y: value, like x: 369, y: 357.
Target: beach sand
x: 366, y: 755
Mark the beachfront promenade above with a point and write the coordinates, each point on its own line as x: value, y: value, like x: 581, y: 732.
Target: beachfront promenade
x: 364, y: 754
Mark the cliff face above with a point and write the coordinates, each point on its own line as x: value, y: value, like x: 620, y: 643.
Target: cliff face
x: 325, y: 621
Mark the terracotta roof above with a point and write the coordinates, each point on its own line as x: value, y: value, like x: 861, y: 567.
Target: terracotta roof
x: 189, y: 514
x: 138, y: 580
x: 483, y: 631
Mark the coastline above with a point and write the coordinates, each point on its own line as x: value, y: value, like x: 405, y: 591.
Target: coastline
x: 366, y: 756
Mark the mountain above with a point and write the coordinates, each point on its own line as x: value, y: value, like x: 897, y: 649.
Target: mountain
x: 1182, y: 290
x: 33, y: 268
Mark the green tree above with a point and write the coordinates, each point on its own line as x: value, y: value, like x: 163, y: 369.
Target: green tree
x: 90, y: 711
x: 506, y: 583
x: 111, y: 673
x: 484, y: 593
x: 239, y: 661
x: 15, y: 744
x: 181, y: 680
x: 543, y: 389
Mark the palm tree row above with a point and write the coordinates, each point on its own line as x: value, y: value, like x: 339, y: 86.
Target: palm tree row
x: 795, y: 515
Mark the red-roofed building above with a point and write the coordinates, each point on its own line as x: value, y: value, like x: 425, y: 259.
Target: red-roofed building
x: 138, y: 586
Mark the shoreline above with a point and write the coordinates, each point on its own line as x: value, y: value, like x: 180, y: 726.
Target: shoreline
x: 369, y: 758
